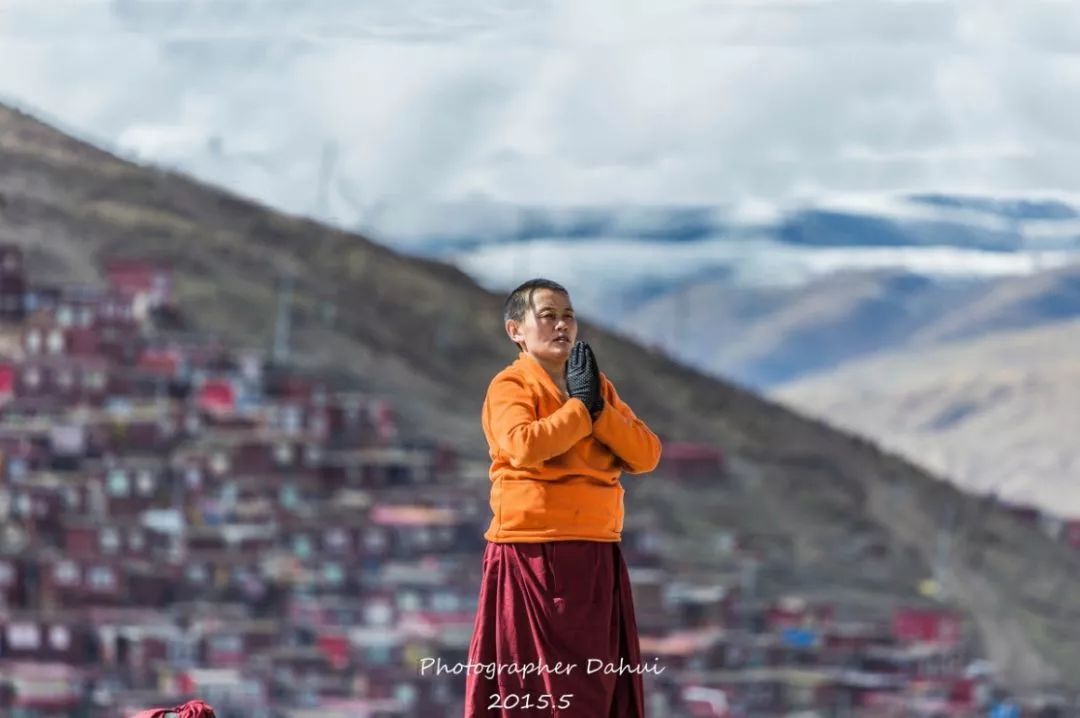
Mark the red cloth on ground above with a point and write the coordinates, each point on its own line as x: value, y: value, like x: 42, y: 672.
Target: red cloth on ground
x: 551, y: 603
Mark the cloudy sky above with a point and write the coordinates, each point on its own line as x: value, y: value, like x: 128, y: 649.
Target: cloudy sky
x: 744, y: 102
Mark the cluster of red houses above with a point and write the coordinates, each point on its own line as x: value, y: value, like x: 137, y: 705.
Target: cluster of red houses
x: 180, y: 519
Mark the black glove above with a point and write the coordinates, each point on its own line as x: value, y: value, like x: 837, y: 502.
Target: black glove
x: 583, y: 378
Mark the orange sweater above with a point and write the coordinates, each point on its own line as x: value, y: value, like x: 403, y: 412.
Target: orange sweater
x: 554, y: 471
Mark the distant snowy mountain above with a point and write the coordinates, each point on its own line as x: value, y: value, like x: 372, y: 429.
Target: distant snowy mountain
x: 614, y: 259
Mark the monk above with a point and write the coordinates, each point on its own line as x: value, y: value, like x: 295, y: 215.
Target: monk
x: 555, y: 632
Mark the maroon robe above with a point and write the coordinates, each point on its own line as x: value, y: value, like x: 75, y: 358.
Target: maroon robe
x: 550, y: 608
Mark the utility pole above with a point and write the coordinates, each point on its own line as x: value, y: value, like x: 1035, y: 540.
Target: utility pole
x: 283, y: 319
x: 326, y: 173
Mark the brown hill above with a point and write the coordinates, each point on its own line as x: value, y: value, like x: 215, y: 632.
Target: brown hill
x: 837, y: 517
x: 1009, y: 427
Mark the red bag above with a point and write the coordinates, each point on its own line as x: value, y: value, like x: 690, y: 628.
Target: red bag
x: 191, y: 709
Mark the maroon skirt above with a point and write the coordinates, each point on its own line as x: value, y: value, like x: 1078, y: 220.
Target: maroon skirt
x: 555, y: 634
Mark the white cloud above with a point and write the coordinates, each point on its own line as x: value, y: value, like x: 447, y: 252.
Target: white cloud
x: 747, y: 103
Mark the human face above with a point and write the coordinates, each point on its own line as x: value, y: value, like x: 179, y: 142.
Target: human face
x: 549, y: 329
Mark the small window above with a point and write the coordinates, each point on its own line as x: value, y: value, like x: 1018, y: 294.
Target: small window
x: 94, y: 379
x: 110, y: 540
x: 290, y: 419
x: 60, y: 638
x: 32, y: 377
x: 378, y: 655
x: 7, y: 573
x: 24, y: 636
x: 333, y: 574
x: 408, y: 601
x: 17, y: 468
x: 33, y: 341
x: 64, y: 316
x: 375, y: 539
x: 445, y: 602
x: 378, y: 613
x: 302, y: 545
x: 405, y: 693
x: 65, y: 378
x: 55, y: 343
x: 219, y: 463
x: 119, y: 484
x: 283, y: 453
x: 136, y: 540
x: 226, y: 643
x: 102, y: 578
x: 336, y: 539
x: 66, y: 573
x: 289, y: 496
x: 145, y: 482
x: 23, y: 505
x: 197, y: 573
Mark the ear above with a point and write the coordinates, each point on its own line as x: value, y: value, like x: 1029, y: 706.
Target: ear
x: 514, y: 331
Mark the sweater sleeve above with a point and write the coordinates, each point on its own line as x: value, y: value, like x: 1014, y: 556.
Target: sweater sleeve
x: 626, y: 435
x: 517, y: 432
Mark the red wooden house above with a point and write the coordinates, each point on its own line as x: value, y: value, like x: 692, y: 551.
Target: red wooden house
x: 927, y: 625
x: 84, y: 325
x: 164, y: 362
x: 22, y: 449
x: 9, y: 372
x: 320, y: 611
x: 41, y: 689
x: 795, y: 612
x: 29, y: 636
x: 38, y: 507
x: 147, y: 283
x: 232, y: 645
x: 843, y: 640
x: 687, y: 460
x: 88, y: 538
x: 66, y: 379
x: 127, y: 427
x: 1070, y: 533
x: 378, y: 467
x: 689, y: 605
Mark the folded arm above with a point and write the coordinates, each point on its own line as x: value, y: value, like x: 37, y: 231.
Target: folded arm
x: 627, y: 436
x: 520, y: 435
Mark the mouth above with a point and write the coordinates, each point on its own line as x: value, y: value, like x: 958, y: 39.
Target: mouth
x: 562, y: 340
